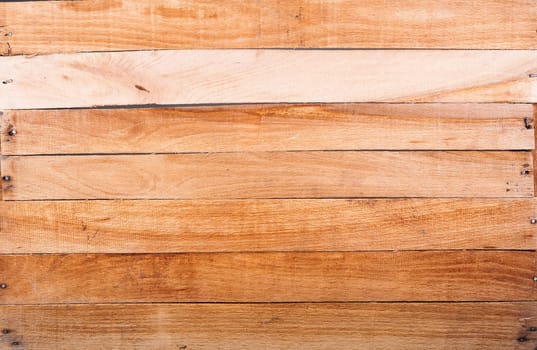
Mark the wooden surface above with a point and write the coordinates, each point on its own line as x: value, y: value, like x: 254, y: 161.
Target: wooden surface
x: 270, y: 175
x: 409, y: 326
x: 374, y: 189
x: 269, y: 277
x: 269, y: 128
x: 249, y: 76
x: 265, y: 225
x: 100, y: 25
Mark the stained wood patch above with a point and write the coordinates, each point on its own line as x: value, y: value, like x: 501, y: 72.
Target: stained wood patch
x: 269, y: 128
x: 270, y: 175
x: 269, y: 277
x: 272, y: 76
x: 408, y: 326
x: 140, y: 25
x: 265, y: 225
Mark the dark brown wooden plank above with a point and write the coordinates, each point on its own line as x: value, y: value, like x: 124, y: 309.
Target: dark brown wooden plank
x: 155, y: 226
x: 269, y: 277
x: 410, y: 326
x: 269, y: 128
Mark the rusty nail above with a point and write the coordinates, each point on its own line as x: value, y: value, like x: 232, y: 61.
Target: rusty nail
x: 6, y: 178
x: 12, y: 132
x: 3, y: 286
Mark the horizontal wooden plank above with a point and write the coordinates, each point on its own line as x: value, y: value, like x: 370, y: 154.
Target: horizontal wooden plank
x: 270, y: 175
x: 412, y: 326
x: 159, y: 24
x: 269, y: 277
x: 269, y: 128
x: 265, y: 225
x: 257, y: 76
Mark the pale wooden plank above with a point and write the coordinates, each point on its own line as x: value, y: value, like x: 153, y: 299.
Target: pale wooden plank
x: 534, y: 153
x: 270, y: 175
x: 269, y: 128
x: 159, y: 24
x: 269, y: 277
x: 248, y: 76
x: 410, y: 326
x: 265, y: 225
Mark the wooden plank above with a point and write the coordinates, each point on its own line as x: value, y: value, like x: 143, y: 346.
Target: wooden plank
x: 270, y: 175
x: 269, y: 128
x: 407, y: 326
x: 535, y: 150
x: 269, y: 277
x: 159, y: 24
x: 265, y: 225
x: 257, y: 76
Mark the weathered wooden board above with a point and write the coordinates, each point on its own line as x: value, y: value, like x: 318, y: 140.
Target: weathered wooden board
x: 163, y: 24
x: 248, y: 76
x: 269, y: 277
x: 409, y: 326
x: 265, y: 225
x: 270, y: 175
x: 269, y: 128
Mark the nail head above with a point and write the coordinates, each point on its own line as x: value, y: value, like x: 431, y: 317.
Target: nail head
x: 532, y: 329
x: 6, y: 178
x: 533, y: 221
x: 528, y: 123
x: 15, y: 343
x: 5, y: 331
x: 521, y: 339
x: 12, y: 132
x: 3, y: 286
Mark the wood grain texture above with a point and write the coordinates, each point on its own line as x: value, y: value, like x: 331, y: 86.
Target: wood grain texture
x: 535, y: 150
x: 269, y: 128
x: 265, y: 225
x: 269, y: 277
x: 270, y: 175
x: 139, y: 25
x: 257, y: 76
x: 407, y: 326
